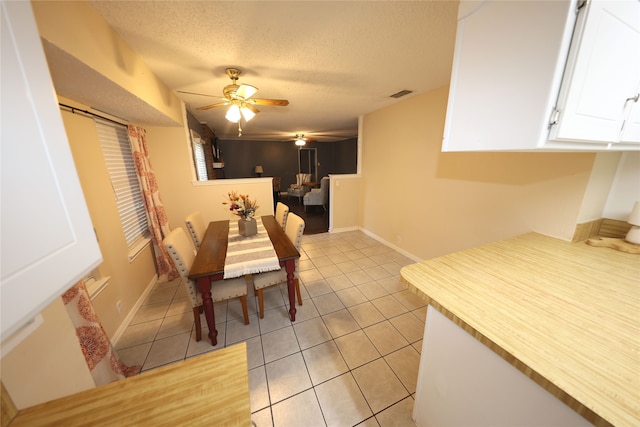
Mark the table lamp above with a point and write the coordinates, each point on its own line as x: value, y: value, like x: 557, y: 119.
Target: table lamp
x: 259, y: 170
x: 633, y: 236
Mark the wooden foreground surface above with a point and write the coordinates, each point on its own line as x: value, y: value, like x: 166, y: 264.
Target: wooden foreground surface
x: 212, y: 390
x: 565, y: 314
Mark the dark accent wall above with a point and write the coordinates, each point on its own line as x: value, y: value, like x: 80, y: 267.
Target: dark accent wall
x: 345, y: 156
x: 280, y: 158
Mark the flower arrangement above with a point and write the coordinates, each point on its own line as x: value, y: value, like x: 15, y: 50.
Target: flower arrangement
x: 241, y: 205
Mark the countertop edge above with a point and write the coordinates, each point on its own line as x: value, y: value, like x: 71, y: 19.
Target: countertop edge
x: 556, y: 391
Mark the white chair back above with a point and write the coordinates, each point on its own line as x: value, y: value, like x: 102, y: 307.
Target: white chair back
x: 196, y: 226
x: 181, y: 253
x: 282, y: 211
x: 294, y: 231
x: 302, y: 177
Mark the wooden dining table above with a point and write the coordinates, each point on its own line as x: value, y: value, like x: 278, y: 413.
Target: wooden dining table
x: 208, y: 266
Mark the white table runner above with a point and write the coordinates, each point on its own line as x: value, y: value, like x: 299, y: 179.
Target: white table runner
x: 248, y: 255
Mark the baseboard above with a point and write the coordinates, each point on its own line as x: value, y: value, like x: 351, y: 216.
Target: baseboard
x: 390, y: 245
x: 343, y: 229
x: 133, y: 311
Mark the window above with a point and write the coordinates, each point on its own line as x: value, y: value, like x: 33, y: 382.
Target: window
x: 200, y: 159
x: 124, y: 180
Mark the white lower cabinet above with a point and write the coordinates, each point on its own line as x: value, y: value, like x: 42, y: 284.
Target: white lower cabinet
x: 461, y: 382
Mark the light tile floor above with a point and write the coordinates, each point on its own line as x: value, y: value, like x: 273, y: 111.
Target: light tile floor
x: 350, y: 358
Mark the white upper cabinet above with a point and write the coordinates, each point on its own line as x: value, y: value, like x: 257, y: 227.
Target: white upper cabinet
x: 548, y: 75
x: 600, y: 88
x: 48, y: 242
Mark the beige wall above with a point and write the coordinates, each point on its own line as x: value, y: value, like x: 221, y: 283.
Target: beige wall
x: 171, y: 159
x: 76, y: 28
x: 129, y: 279
x: 429, y: 203
x: 48, y: 364
x: 344, y: 203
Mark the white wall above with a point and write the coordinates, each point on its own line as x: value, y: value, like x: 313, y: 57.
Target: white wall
x: 625, y: 189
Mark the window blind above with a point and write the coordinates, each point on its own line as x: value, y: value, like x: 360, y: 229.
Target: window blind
x: 118, y: 157
x: 200, y: 160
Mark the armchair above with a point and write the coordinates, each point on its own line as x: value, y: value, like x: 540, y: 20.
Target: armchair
x: 298, y: 190
x: 318, y: 196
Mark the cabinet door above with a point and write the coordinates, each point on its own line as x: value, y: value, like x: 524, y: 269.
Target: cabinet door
x: 606, y: 72
x: 507, y: 69
x: 48, y: 242
x: 631, y: 128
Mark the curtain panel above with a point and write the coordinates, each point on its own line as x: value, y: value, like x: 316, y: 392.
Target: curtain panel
x: 101, y: 359
x: 158, y: 221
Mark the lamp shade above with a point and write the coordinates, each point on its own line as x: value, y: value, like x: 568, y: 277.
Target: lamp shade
x: 300, y: 142
x: 634, y: 218
x: 633, y: 236
x: 259, y: 169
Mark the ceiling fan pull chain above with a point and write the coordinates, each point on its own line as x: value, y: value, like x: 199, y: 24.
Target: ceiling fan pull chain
x: 239, y: 129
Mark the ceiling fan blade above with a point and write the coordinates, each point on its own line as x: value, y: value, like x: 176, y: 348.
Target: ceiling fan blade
x: 251, y: 107
x: 276, y: 102
x: 201, y: 94
x: 246, y: 91
x: 218, y: 104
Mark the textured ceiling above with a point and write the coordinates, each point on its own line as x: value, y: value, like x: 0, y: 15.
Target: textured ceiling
x: 333, y: 61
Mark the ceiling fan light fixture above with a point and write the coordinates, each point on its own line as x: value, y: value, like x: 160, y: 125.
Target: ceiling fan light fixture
x: 300, y: 141
x: 233, y: 114
x: 247, y: 113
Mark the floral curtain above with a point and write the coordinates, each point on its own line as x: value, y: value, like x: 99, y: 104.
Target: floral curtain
x: 101, y: 359
x: 158, y: 221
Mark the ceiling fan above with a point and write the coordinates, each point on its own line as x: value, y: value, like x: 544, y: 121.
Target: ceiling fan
x: 239, y: 99
x: 301, y: 140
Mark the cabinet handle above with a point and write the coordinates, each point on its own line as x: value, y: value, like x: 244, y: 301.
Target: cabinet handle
x: 633, y: 98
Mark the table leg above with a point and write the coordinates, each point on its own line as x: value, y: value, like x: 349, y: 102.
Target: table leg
x: 290, y: 266
x: 204, y: 286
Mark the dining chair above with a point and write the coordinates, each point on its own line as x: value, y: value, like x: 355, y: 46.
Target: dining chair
x: 182, y: 255
x: 196, y: 226
x: 294, y: 230
x: 282, y: 211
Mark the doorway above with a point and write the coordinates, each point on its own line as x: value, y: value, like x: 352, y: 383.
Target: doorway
x: 307, y: 161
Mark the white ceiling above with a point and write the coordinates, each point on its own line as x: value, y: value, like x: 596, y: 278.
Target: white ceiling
x: 333, y: 61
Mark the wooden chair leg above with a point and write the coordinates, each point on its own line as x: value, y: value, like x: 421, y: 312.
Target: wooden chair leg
x: 298, y: 292
x: 196, y: 317
x: 260, y: 302
x: 245, y: 312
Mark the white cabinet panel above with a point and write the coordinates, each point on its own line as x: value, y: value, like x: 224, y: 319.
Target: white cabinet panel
x: 507, y: 69
x: 48, y: 242
x: 539, y: 75
x: 461, y: 382
x: 604, y: 75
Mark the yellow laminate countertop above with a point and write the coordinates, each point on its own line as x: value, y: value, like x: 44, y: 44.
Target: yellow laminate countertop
x: 565, y: 314
x: 211, y: 390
